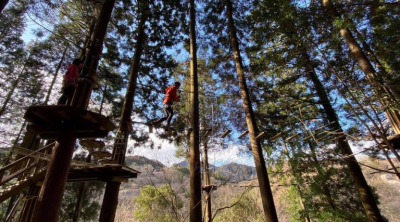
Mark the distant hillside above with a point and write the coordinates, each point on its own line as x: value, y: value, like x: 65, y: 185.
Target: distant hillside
x: 238, y: 176
x: 186, y: 165
x: 141, y: 161
x: 235, y: 172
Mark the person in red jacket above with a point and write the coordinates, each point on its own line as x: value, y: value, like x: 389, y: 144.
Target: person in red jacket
x: 171, y: 96
x: 70, y: 82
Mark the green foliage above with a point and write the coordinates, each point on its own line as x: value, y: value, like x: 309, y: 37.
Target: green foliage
x: 291, y: 199
x: 183, y: 170
x: 90, y: 203
x: 157, y: 204
x: 243, y: 207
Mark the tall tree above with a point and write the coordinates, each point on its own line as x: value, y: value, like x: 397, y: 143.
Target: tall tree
x: 263, y: 180
x: 119, y: 150
x: 57, y: 172
x: 195, y: 164
x: 366, y: 67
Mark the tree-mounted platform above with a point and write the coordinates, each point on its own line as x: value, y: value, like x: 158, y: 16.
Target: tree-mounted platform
x: 51, y: 121
x: 92, y: 144
x: 101, y: 154
x: 111, y: 172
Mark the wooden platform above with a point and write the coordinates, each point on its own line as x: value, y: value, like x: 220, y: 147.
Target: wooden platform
x: 51, y: 121
x: 92, y: 144
x: 111, y: 172
x: 101, y: 154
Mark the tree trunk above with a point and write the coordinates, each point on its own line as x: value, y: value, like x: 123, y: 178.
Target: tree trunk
x: 84, y: 89
x: 195, y: 164
x: 110, y: 202
x: 207, y: 182
x: 265, y: 188
x: 55, y: 76
x: 111, y: 193
x: 13, y: 87
x: 57, y: 173
x: 362, y: 187
x: 366, y: 66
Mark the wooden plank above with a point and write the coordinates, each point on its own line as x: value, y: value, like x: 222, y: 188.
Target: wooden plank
x: 324, y: 137
x: 291, y: 137
x: 225, y: 133
x: 90, y: 143
x: 259, y: 136
x: 101, y: 154
x: 276, y: 136
x: 338, y: 137
x: 243, y: 134
x: 120, y: 179
x: 208, y: 131
x: 17, y: 189
x: 107, y: 161
x: 324, y: 126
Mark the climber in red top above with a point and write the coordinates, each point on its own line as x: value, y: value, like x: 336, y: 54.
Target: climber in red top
x: 171, y: 96
x: 70, y: 82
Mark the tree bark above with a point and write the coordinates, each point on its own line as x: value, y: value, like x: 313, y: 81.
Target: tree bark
x: 84, y: 89
x: 195, y: 164
x: 361, y: 184
x: 13, y: 87
x: 112, y: 189
x: 366, y: 67
x: 55, y: 76
x: 57, y: 173
x: 265, y: 187
x: 110, y: 202
x: 207, y: 182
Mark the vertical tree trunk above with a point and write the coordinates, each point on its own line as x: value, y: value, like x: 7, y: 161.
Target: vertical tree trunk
x: 263, y: 180
x: 55, y: 76
x: 195, y: 164
x: 57, y: 173
x: 366, y: 66
x: 13, y: 87
x: 107, y: 213
x: 362, y: 187
x: 207, y: 182
x: 84, y: 89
